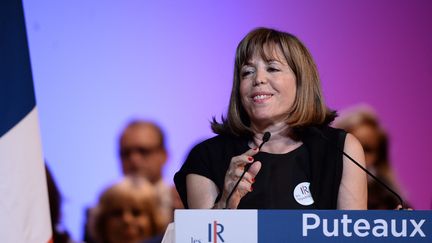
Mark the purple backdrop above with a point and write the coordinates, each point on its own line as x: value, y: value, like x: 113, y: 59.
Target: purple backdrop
x: 96, y: 64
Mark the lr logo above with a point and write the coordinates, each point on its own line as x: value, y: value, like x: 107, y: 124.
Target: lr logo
x: 304, y: 190
x: 217, y: 230
x: 302, y: 194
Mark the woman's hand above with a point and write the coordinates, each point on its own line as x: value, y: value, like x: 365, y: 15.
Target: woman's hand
x: 235, y: 170
x: 400, y: 207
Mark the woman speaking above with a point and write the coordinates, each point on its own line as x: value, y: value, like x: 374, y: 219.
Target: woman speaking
x: 274, y: 149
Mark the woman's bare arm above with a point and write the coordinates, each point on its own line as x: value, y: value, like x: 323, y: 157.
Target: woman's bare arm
x: 353, y: 187
x: 201, y: 191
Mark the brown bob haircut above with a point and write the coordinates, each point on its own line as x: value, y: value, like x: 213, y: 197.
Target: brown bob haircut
x: 308, y: 108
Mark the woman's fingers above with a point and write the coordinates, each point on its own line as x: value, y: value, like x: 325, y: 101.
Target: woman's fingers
x: 235, y: 171
x: 238, y: 164
x: 238, y: 172
x: 244, y: 158
x: 246, y: 183
x: 400, y: 207
x: 254, y: 169
x: 244, y: 187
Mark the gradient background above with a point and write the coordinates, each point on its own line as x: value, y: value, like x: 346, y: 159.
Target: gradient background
x: 97, y: 64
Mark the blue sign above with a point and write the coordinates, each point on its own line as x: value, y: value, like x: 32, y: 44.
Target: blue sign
x: 344, y: 226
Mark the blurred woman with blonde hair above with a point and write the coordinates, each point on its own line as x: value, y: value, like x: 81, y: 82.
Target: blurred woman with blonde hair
x: 127, y: 212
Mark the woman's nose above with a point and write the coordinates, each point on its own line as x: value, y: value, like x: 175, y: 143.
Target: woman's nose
x: 127, y: 217
x: 260, y: 77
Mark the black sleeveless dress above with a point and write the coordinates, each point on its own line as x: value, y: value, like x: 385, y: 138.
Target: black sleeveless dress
x: 279, y: 176
x: 305, y: 178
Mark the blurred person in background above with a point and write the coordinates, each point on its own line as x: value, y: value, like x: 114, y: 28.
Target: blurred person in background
x: 127, y: 212
x: 143, y: 153
x: 55, y: 200
x: 362, y: 122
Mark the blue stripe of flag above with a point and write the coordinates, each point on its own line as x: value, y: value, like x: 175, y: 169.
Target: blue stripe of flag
x: 17, y: 97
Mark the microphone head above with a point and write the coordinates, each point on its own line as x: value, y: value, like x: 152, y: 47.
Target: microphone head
x: 266, y: 136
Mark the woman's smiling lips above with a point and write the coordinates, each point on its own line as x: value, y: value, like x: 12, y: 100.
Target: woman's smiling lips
x: 260, y: 97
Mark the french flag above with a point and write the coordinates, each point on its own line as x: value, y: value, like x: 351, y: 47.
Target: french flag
x: 24, y: 207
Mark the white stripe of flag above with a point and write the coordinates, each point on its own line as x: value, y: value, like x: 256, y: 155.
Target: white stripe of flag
x: 24, y: 210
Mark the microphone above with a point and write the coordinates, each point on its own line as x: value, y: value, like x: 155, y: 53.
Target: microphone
x: 265, y: 139
x: 316, y: 130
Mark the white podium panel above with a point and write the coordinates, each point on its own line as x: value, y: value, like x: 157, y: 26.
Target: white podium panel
x: 216, y: 226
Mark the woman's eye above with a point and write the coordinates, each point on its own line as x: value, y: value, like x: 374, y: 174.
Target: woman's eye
x: 246, y: 73
x: 116, y: 213
x: 272, y: 69
x: 136, y: 212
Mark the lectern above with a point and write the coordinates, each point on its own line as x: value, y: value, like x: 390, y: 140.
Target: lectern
x: 262, y: 226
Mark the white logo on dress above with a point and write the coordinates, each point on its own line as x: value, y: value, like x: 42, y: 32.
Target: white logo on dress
x: 302, y: 194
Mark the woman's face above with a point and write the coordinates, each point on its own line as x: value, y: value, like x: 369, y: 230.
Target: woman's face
x: 267, y: 88
x: 127, y: 221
